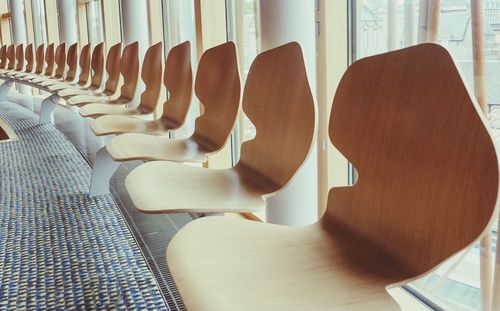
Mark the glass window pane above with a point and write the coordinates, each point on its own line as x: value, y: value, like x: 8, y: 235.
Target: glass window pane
x: 383, y: 25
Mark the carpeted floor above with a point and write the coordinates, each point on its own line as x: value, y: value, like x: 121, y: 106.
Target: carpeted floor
x: 60, y: 249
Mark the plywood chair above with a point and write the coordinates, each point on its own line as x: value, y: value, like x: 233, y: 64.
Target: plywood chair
x: 217, y: 87
x: 60, y: 63
x: 72, y: 62
x: 19, y: 58
x: 94, y: 78
x: 5, y: 87
x: 19, y: 61
x: 277, y: 99
x: 178, y: 80
x: 49, y: 67
x: 84, y: 96
x: 427, y: 188
x: 34, y: 62
x: 30, y: 60
x: 3, y: 57
x: 84, y: 76
x: 11, y: 57
x: 129, y: 69
x: 151, y: 75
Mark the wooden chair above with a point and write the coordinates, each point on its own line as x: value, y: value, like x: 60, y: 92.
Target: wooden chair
x: 4, y: 73
x: 276, y: 99
x: 129, y: 69
x: 84, y: 96
x: 178, y: 80
x: 19, y: 58
x: 19, y: 61
x: 94, y: 77
x: 83, y: 78
x: 151, y: 75
x: 30, y: 60
x: 36, y: 65
x: 217, y: 87
x: 60, y: 63
x: 3, y: 57
x: 11, y: 57
x: 427, y: 188
x: 69, y: 76
x: 49, y: 67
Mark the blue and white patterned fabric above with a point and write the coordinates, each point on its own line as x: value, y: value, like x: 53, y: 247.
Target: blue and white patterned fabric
x: 60, y: 249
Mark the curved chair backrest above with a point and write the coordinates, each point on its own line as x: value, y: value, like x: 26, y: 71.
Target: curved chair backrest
x: 218, y: 88
x: 19, y: 57
x: 11, y: 57
x: 428, y: 169
x: 129, y: 68
x: 60, y: 60
x: 28, y: 54
x: 49, y: 60
x: 113, y: 68
x: 97, y: 66
x: 178, y: 80
x: 151, y: 73
x: 3, y: 56
x: 72, y: 61
x: 278, y: 100
x: 84, y: 76
x: 39, y: 55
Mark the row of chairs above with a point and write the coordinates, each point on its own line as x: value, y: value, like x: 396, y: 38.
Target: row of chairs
x: 427, y: 187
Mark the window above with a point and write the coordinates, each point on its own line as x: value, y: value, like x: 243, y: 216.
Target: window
x: 243, y: 29
x: 382, y: 25
x: 179, y: 26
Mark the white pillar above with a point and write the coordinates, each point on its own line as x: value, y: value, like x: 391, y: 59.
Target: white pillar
x: 135, y: 28
x: 409, y: 23
x: 283, y: 21
x: 19, y: 32
x: 135, y: 23
x: 68, y: 21
x: 392, y: 25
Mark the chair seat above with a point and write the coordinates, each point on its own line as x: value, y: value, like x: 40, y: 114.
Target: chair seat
x: 31, y: 77
x: 50, y: 82
x: 44, y: 80
x: 97, y: 109
x: 112, y: 124
x: 221, y: 263
x: 13, y: 73
x: 63, y: 86
x: 161, y: 186
x: 23, y: 74
x: 85, y: 99
x: 72, y: 92
x: 135, y: 146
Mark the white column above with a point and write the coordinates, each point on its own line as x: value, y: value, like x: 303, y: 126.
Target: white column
x: 68, y: 25
x: 19, y: 32
x: 409, y: 23
x: 283, y: 21
x: 135, y: 28
x: 392, y: 25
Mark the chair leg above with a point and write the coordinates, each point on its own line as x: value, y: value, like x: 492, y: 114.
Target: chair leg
x: 47, y: 111
x: 104, y: 168
x: 5, y: 88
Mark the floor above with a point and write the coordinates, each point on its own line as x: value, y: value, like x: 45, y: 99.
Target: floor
x: 152, y: 232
